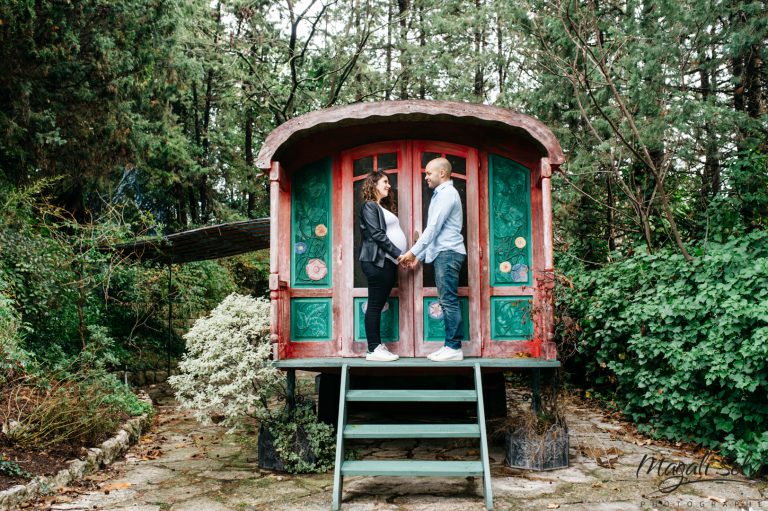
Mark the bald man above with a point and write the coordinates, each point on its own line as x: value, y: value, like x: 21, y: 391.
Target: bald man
x: 442, y: 244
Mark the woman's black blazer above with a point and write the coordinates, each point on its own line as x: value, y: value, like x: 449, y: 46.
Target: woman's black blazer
x: 373, y: 228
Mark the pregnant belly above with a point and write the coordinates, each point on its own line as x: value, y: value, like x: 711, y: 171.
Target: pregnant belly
x: 397, y: 237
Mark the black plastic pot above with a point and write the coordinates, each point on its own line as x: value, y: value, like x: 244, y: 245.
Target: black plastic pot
x: 538, y: 452
x: 268, y: 456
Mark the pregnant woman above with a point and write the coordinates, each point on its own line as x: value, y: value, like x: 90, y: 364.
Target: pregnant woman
x: 383, y: 242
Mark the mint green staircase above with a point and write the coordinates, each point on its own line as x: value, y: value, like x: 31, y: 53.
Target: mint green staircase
x: 410, y: 468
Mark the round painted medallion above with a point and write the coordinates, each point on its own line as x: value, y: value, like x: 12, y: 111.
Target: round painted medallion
x: 321, y: 230
x: 520, y: 273
x: 520, y: 242
x: 435, y: 311
x: 301, y: 247
x: 316, y: 269
x: 505, y: 267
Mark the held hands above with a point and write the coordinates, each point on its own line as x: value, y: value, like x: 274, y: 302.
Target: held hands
x: 407, y: 260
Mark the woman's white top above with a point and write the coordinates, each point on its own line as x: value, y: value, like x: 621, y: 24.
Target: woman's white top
x: 394, y: 232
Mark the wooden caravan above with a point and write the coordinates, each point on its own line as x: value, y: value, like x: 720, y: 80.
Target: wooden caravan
x: 502, y: 162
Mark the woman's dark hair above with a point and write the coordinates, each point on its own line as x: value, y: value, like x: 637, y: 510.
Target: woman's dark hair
x: 368, y: 191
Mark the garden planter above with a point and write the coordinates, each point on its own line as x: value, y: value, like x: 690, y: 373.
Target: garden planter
x: 270, y: 459
x: 528, y: 448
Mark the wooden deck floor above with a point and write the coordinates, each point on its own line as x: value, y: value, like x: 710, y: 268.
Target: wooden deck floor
x: 404, y: 363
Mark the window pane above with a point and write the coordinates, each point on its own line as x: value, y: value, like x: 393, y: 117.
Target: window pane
x: 427, y: 157
x: 360, y: 280
x: 393, y: 190
x: 386, y: 161
x: 362, y: 166
x: 458, y: 163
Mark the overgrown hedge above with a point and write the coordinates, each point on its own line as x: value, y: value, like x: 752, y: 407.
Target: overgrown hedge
x: 682, y: 346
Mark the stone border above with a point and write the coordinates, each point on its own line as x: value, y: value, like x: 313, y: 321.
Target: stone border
x: 97, y: 457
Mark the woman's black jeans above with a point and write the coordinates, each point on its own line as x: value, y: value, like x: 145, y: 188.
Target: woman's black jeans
x: 380, y: 284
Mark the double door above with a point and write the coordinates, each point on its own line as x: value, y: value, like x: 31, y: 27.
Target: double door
x: 412, y: 321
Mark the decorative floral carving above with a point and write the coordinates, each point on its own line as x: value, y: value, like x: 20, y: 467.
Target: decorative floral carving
x: 512, y: 318
x: 311, y: 214
x: 510, y: 222
x: 311, y: 318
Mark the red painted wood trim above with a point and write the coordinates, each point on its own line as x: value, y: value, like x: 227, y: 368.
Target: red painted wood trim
x: 407, y: 111
x: 485, y: 290
x: 474, y: 347
x: 345, y: 200
x: 407, y: 346
x: 341, y: 331
x: 546, y: 209
x: 537, y: 231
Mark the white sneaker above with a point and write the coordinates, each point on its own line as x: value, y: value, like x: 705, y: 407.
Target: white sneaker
x: 432, y: 355
x: 381, y: 354
x: 448, y: 354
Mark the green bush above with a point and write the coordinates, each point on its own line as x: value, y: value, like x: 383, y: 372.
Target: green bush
x: 683, y: 345
x: 303, y: 443
x: 10, y: 468
x: 81, y: 409
x: 75, y: 402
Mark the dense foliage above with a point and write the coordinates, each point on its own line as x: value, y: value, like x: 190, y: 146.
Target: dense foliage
x: 74, y: 402
x: 226, y: 369
x: 684, y: 345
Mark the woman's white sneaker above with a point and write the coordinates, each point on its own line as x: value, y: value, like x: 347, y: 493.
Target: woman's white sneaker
x: 381, y: 354
x: 448, y: 355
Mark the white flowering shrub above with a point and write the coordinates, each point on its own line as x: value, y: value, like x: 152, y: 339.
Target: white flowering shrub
x: 227, y: 368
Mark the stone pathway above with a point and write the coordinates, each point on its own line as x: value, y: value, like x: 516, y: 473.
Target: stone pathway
x: 184, y: 466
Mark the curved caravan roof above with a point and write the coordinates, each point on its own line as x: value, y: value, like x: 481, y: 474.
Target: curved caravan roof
x: 351, y: 119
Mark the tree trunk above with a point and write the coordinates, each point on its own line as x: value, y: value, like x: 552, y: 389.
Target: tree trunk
x: 710, y: 178
x: 181, y: 213
x: 358, y: 69
x: 388, y: 77
x: 405, y: 60
x: 500, y: 64
x: 610, y: 229
x: 193, y: 205
x: 752, y: 82
x: 422, y: 45
x: 479, y: 85
x: 249, y: 162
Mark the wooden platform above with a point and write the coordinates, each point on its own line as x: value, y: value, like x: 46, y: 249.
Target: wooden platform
x: 315, y: 364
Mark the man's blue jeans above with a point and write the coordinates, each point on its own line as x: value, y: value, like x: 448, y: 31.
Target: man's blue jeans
x: 447, y: 267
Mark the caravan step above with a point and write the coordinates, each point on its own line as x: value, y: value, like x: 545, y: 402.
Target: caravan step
x: 413, y: 395
x: 412, y: 431
x: 412, y: 468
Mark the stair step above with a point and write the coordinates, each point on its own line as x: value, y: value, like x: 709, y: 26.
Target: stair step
x: 412, y: 468
x: 412, y: 431
x: 412, y: 395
